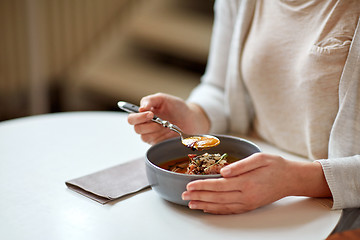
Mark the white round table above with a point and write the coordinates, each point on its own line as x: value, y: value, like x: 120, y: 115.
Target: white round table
x: 39, y: 153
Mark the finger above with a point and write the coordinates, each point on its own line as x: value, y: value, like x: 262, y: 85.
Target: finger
x: 218, y: 208
x: 139, y: 118
x: 157, y: 137
x: 214, y: 197
x: 248, y: 164
x: 151, y: 102
x: 149, y: 128
x: 164, y: 136
x: 216, y: 185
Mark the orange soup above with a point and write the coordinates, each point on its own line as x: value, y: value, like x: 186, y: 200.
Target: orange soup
x: 200, y: 143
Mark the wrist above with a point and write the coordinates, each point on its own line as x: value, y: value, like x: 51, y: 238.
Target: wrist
x: 200, y: 120
x: 309, y: 180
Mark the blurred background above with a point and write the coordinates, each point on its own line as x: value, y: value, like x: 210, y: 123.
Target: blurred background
x: 79, y: 55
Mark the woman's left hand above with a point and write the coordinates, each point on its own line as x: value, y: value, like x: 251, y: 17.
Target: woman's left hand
x: 253, y: 182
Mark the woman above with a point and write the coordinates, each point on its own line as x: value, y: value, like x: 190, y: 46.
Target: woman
x: 289, y: 71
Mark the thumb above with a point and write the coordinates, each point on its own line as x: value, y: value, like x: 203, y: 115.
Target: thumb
x: 151, y: 102
x: 245, y: 165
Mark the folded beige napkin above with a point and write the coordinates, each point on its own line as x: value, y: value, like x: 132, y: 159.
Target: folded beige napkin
x: 112, y: 183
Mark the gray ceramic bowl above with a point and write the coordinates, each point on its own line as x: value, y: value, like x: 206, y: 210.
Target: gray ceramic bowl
x: 170, y: 185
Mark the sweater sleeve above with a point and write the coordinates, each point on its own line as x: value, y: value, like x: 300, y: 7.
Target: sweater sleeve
x: 210, y: 94
x: 343, y: 178
x: 342, y: 169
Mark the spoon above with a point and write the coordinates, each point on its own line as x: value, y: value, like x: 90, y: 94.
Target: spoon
x: 195, y: 142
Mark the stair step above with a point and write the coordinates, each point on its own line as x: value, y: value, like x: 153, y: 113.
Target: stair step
x: 131, y: 78
x: 185, y: 35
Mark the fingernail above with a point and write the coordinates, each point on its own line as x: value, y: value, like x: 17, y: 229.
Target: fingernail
x: 149, y: 116
x: 185, y: 196
x: 225, y: 171
x: 192, y: 205
x: 143, y: 103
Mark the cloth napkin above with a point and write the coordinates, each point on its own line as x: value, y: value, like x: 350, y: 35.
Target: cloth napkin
x: 112, y: 183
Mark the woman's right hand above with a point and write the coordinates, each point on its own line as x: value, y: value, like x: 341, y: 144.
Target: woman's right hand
x: 187, y: 116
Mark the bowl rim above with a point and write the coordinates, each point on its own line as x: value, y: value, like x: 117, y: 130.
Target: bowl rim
x: 194, y: 175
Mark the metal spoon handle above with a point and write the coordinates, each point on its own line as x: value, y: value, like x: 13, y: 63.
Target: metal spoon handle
x: 128, y: 107
x: 131, y: 108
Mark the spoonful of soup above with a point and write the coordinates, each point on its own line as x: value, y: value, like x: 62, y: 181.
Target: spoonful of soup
x: 195, y: 142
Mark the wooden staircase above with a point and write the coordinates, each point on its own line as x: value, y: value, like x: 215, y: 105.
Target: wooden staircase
x: 165, y: 49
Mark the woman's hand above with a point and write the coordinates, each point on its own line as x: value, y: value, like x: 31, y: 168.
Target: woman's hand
x: 189, y: 117
x: 254, y: 182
